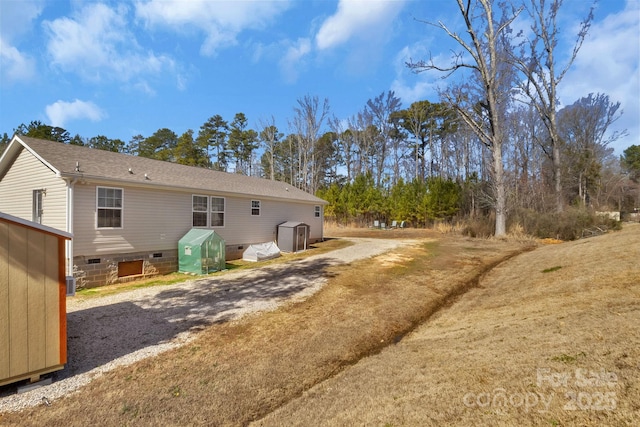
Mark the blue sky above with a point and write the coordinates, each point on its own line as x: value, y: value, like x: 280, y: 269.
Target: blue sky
x: 131, y: 67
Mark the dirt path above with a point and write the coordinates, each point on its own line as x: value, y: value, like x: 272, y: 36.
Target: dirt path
x: 117, y: 330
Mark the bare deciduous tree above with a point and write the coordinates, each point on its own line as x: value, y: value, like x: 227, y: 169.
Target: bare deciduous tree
x: 381, y: 108
x: 309, y: 116
x: 583, y: 127
x: 486, y: 43
x: 269, y: 135
x: 538, y: 62
x: 345, y: 143
x: 361, y: 128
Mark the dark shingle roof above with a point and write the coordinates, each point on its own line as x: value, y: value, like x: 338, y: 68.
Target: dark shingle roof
x: 105, y: 165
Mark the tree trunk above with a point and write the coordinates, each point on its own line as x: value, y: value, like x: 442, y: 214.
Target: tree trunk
x: 557, y: 177
x: 580, y: 190
x: 500, y: 193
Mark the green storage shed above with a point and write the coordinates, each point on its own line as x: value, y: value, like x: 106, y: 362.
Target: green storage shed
x: 201, y: 251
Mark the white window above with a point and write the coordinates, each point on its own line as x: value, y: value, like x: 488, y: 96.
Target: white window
x: 200, y: 209
x: 255, y: 207
x: 109, y: 207
x: 37, y: 206
x: 217, y: 211
x: 317, y: 212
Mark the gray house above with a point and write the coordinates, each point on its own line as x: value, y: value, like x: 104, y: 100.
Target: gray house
x: 128, y: 213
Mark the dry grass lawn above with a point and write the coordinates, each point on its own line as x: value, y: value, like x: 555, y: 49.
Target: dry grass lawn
x: 238, y: 372
x: 420, y: 336
x: 551, y: 338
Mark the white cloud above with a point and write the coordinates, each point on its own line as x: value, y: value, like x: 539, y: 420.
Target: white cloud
x: 144, y: 87
x: 292, y: 61
x: 15, y: 65
x: 608, y: 63
x: 181, y: 82
x: 409, y: 86
x: 220, y: 21
x: 60, y: 112
x: 96, y: 43
x: 421, y: 89
x: 15, y: 20
x: 357, y: 18
x: 291, y: 56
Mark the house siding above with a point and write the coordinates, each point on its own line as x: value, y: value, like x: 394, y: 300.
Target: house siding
x: 154, y: 220
x: 157, y: 219
x: 157, y: 205
x: 241, y: 227
x: 151, y: 220
x: 28, y: 173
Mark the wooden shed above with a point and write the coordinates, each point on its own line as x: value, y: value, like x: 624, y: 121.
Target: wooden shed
x: 33, y: 317
x: 293, y: 236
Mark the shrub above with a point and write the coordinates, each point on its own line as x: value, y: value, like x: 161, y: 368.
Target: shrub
x: 479, y: 227
x: 571, y: 224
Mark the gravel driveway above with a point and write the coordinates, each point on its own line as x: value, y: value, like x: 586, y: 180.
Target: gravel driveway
x: 117, y: 330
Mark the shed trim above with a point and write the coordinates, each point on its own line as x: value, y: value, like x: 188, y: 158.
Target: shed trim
x: 35, y: 226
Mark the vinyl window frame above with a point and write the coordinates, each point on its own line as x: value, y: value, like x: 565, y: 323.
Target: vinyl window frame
x: 109, y: 208
x: 256, y: 208
x: 317, y: 211
x: 194, y: 211
x: 213, y: 210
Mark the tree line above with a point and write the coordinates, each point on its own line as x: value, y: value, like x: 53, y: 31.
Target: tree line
x: 495, y: 143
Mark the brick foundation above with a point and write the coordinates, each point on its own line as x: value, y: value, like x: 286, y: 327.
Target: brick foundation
x: 92, y: 271
x: 100, y: 270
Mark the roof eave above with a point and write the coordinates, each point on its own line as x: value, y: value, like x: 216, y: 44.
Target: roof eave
x: 196, y: 190
x: 34, y: 153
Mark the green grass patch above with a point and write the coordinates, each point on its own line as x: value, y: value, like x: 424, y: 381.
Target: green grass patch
x: 567, y: 358
x: 102, y: 291
x: 417, y: 262
x: 432, y: 247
